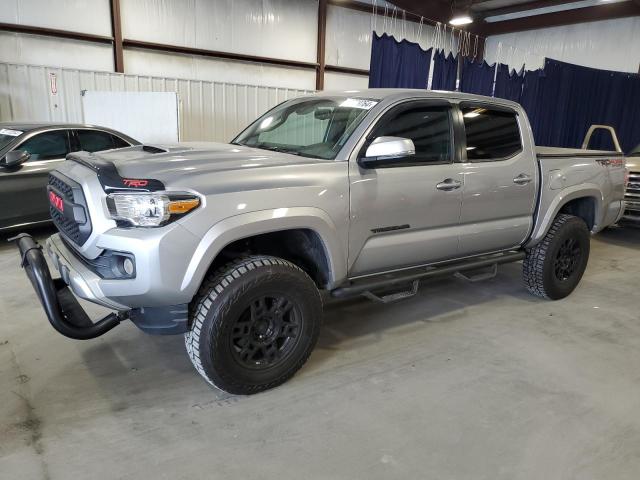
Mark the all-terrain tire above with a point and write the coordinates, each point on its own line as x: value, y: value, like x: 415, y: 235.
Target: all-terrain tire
x: 230, y: 318
x: 553, y: 268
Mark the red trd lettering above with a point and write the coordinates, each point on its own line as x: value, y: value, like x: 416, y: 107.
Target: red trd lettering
x: 129, y: 182
x: 56, y: 201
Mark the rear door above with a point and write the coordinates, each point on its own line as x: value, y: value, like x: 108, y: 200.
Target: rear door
x: 24, y: 189
x: 500, y: 179
x: 407, y: 213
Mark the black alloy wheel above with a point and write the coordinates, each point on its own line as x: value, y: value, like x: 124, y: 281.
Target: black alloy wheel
x: 567, y: 259
x: 266, y: 332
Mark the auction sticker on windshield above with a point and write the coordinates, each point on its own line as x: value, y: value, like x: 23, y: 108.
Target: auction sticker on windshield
x: 11, y: 133
x: 362, y: 103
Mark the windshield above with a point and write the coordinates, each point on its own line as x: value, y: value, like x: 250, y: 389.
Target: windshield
x: 635, y: 152
x: 316, y: 127
x: 7, y: 136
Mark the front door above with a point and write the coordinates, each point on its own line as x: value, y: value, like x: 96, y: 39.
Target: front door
x: 500, y: 181
x: 24, y: 189
x: 407, y: 212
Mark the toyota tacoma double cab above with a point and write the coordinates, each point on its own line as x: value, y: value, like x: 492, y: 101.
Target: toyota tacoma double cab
x: 361, y: 193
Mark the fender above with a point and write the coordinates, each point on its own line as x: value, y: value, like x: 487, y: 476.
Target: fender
x: 249, y: 224
x: 553, y: 207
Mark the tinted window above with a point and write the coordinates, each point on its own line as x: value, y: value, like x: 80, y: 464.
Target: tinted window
x: 428, y: 127
x: 118, y: 142
x: 491, y: 134
x: 92, y: 141
x: 48, y: 145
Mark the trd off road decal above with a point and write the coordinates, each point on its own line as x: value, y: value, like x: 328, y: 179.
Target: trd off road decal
x: 611, y: 162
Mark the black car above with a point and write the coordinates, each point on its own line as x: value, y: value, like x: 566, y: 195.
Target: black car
x: 29, y: 151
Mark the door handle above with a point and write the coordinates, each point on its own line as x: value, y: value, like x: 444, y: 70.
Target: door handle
x: 522, y: 179
x: 448, y: 184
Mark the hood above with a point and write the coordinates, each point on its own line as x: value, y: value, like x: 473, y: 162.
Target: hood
x: 633, y: 163
x: 194, y: 159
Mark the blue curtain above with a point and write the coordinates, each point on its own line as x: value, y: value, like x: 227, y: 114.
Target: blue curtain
x: 564, y: 99
x: 398, y: 64
x: 531, y: 98
x: 477, y: 77
x: 445, y: 72
x: 509, y: 84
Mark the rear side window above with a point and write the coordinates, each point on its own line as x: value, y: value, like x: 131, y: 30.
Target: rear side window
x: 118, y: 142
x: 95, y: 141
x: 491, y: 134
x: 427, y: 126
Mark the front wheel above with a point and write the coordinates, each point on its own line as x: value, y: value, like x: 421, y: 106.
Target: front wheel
x: 553, y: 268
x: 254, y: 324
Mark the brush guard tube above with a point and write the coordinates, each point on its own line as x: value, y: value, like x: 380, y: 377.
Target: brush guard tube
x: 64, y: 312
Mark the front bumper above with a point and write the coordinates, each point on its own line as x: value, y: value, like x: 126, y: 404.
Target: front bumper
x: 83, y: 281
x: 64, y: 312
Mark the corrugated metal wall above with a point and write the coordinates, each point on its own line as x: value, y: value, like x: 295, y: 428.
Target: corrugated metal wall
x: 209, y: 111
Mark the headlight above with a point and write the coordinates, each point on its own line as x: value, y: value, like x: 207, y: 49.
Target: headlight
x: 150, y: 209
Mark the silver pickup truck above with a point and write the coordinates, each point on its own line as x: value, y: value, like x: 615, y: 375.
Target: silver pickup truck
x: 355, y: 193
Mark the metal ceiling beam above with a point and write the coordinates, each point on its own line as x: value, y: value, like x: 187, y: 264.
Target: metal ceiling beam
x: 52, y: 32
x: 437, y: 10
x: 116, y: 32
x: 434, y: 10
x: 567, y: 17
x: 320, y: 45
x: 161, y: 47
x: 522, y: 7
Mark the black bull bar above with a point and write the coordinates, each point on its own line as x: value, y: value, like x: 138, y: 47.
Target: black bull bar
x: 64, y: 312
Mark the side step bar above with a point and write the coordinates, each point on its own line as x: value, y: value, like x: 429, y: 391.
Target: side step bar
x: 382, y: 281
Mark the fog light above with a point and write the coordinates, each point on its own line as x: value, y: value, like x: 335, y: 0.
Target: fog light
x: 127, y: 265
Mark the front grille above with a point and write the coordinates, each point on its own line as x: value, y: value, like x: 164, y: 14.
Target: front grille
x: 632, y: 194
x: 73, y: 222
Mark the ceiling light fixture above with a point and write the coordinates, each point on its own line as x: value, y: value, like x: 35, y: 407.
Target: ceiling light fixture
x: 460, y: 14
x: 461, y: 19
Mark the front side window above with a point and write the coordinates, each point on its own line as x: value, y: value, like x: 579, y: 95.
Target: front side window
x: 47, y: 145
x: 491, y: 134
x: 429, y: 127
x: 316, y: 128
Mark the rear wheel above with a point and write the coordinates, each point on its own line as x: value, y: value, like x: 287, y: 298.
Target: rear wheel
x: 553, y: 268
x: 254, y: 324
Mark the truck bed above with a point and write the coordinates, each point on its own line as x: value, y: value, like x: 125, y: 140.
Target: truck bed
x: 552, y: 152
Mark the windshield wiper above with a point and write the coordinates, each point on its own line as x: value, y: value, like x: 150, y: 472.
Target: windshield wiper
x: 275, y: 148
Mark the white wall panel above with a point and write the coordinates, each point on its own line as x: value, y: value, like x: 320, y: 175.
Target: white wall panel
x: 609, y: 45
x: 40, y: 50
x: 344, y: 81
x: 149, y: 117
x: 348, y: 42
x: 87, y: 16
x: 270, y: 28
x: 209, y: 111
x: 144, y: 62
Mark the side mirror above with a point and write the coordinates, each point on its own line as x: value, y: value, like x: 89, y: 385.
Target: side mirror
x: 384, y: 150
x: 14, y: 158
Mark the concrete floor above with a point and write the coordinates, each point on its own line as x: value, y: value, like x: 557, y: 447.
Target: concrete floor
x: 464, y: 381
